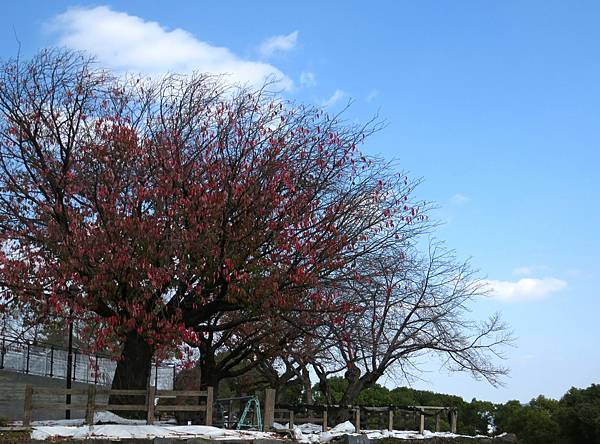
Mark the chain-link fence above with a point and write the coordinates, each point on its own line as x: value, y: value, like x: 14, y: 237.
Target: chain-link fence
x: 35, y: 358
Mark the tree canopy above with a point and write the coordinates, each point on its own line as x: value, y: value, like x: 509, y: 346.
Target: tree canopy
x: 185, y: 211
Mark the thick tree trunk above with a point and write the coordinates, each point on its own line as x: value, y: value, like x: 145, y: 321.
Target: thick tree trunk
x: 210, y: 375
x: 308, y: 395
x: 132, y: 372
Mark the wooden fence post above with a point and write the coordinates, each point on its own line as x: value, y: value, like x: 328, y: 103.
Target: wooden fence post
x: 391, y: 419
x: 357, y: 419
x: 437, y: 422
x: 269, y: 409
x: 27, y: 405
x: 453, y: 420
x: 291, y: 420
x: 151, y: 394
x: 325, y: 419
x: 91, y: 405
x: 422, y: 422
x: 209, y: 405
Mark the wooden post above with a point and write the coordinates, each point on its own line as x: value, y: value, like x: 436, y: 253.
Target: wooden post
x: 357, y: 419
x: 27, y: 405
x: 209, y: 405
x: 51, y: 361
x: 151, y: 394
x: 437, y: 422
x: 422, y: 422
x: 3, y: 352
x: 325, y: 419
x: 28, y: 353
x: 269, y: 409
x: 291, y: 420
x: 391, y: 419
x: 453, y: 420
x: 91, y: 405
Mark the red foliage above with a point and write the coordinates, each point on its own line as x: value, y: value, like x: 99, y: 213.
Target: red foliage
x: 151, y: 208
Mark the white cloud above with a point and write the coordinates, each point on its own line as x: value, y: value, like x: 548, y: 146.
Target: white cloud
x: 459, y: 199
x: 127, y: 43
x: 335, y: 98
x: 372, y: 94
x: 308, y: 79
x: 524, y: 289
x: 279, y: 43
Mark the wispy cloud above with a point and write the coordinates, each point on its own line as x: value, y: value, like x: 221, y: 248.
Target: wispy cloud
x: 372, y: 94
x: 524, y: 289
x: 308, y: 79
x: 459, y: 199
x: 335, y: 98
x: 127, y: 43
x: 278, y: 44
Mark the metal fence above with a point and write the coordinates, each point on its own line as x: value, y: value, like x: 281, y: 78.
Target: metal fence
x: 35, y: 358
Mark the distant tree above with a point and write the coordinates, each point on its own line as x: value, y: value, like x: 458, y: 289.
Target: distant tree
x: 476, y: 417
x: 578, y: 414
x: 533, y: 423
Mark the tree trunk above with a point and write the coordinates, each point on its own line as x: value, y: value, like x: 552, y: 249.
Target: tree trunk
x: 308, y: 395
x: 132, y: 372
x: 210, y: 373
x: 211, y: 378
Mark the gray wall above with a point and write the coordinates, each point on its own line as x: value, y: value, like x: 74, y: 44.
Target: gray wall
x: 12, y: 394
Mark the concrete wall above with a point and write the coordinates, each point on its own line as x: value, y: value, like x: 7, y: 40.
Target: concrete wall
x: 12, y: 394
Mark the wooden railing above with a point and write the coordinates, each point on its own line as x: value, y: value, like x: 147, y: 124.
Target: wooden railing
x: 150, y: 406
x: 318, y: 414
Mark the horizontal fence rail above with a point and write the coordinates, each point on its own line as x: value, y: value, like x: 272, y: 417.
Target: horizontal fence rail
x: 151, y: 404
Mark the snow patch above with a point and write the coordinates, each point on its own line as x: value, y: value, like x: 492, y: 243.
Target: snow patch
x: 345, y: 427
x: 110, y: 426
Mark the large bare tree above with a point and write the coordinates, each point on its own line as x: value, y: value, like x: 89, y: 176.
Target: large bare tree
x: 407, y: 306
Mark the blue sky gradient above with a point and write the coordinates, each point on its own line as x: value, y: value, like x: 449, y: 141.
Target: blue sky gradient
x: 495, y: 104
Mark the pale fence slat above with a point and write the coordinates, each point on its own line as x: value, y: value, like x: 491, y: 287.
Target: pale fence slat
x: 27, y: 405
x: 357, y: 419
x: 209, y: 406
x: 135, y: 407
x: 151, y: 406
x: 91, y: 405
x: 186, y: 393
x: 132, y: 392
x: 269, y: 407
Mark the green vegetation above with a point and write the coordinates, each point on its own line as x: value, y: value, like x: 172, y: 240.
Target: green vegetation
x: 574, y: 419
x: 14, y: 436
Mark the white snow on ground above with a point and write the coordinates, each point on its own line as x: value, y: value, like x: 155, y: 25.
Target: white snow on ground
x: 111, y: 426
x: 121, y: 431
x: 99, y: 418
x: 311, y: 433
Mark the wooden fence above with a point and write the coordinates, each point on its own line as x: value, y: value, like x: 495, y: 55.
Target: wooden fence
x: 318, y: 414
x: 151, y: 405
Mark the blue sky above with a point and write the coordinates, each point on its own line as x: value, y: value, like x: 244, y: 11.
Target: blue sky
x: 495, y: 104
